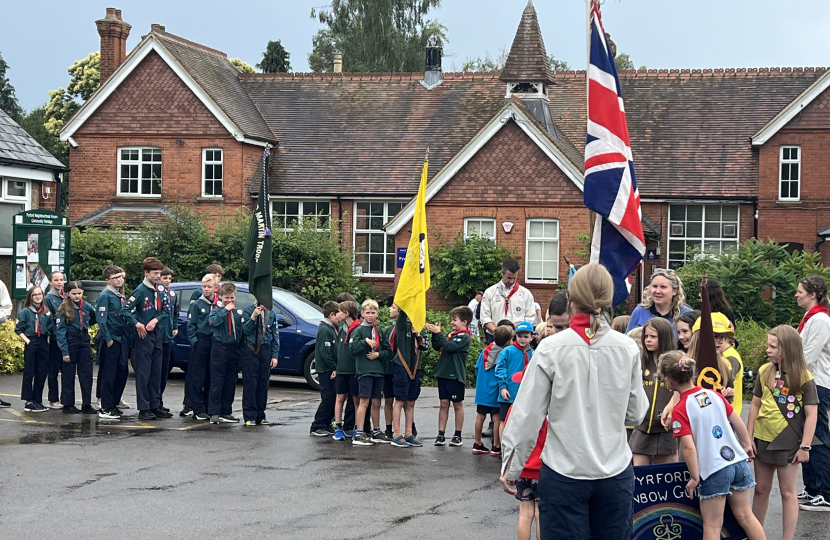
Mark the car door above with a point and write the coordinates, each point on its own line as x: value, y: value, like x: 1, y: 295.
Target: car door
x: 181, y: 345
x: 288, y: 363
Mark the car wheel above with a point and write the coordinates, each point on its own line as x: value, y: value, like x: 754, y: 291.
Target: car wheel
x: 310, y: 372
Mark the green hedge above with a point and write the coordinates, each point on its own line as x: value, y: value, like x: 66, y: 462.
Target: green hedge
x: 11, y: 349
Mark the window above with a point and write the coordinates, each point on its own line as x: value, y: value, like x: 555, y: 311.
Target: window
x: 707, y: 228
x: 211, y: 172
x: 287, y: 213
x: 14, y: 198
x: 139, y: 172
x: 790, y: 180
x: 542, y: 250
x: 483, y: 227
x: 374, y: 249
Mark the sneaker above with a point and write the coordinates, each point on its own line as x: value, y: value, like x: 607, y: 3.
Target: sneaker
x: 456, y: 441
x: 362, y: 439
x: 71, y: 409
x: 319, y: 433
x: 55, y: 405
x: 804, y: 496
x: 89, y: 409
x: 228, y: 419
x: 413, y: 441
x: 214, y: 418
x: 250, y: 423
x: 123, y: 405
x: 201, y: 417
x: 480, y: 449
x: 266, y: 423
x: 496, y: 451
x: 39, y: 408
x: 440, y: 440
x: 349, y: 433
x: 380, y: 437
x: 108, y: 414
x: 187, y: 411
x: 163, y: 408
x: 487, y: 432
x: 161, y: 413
x: 400, y: 442
x: 4, y: 404
x: 28, y: 407
x: 118, y: 411
x: 818, y: 504
x: 339, y: 435
x: 389, y: 434
x: 146, y: 415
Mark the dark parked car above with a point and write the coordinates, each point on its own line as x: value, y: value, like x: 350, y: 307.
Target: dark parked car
x: 297, y: 317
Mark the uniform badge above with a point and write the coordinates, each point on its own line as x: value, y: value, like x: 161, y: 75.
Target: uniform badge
x: 790, y: 414
x: 203, y: 310
x: 703, y: 399
x: 518, y: 308
x: 727, y: 453
x: 790, y: 406
x: 173, y: 294
x: 327, y: 343
x: 647, y: 372
x: 589, y: 333
x: 717, y: 432
x: 675, y: 426
x: 791, y: 399
x: 132, y: 299
x: 239, y: 311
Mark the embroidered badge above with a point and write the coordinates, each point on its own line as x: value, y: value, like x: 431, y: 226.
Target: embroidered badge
x: 132, y: 298
x: 790, y: 414
x: 782, y: 399
x: 790, y: 406
x: 589, y: 333
x: 703, y: 399
x: 785, y: 391
x: 239, y: 311
x: 102, y: 309
x: 727, y: 453
x: 203, y: 310
x: 160, y: 288
x: 57, y: 321
x: 328, y: 343
x: 797, y: 409
x: 675, y: 427
x: 717, y: 432
x: 791, y: 398
x: 648, y: 372
x: 518, y: 308
x: 173, y: 294
x: 776, y: 393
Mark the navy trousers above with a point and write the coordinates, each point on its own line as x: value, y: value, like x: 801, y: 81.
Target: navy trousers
x: 35, y: 367
x: 325, y: 411
x: 147, y: 366
x: 816, y: 472
x: 55, y: 362
x: 80, y: 360
x: 165, y: 369
x: 224, y: 365
x: 586, y: 509
x: 197, y: 380
x: 256, y: 374
x: 113, y: 371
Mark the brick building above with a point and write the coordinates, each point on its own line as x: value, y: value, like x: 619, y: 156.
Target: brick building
x: 176, y: 123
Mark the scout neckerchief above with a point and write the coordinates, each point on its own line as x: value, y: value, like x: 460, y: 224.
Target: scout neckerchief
x: 507, y: 297
x: 212, y: 302
x: 80, y: 308
x: 524, y: 352
x: 118, y: 293
x: 375, y: 334
x: 156, y: 297
x: 231, y: 324
x: 455, y: 333
x: 38, y: 309
x: 392, y: 338
x: 261, y: 327
x: 815, y: 310
x: 355, y: 324
x: 792, y: 411
x: 581, y: 324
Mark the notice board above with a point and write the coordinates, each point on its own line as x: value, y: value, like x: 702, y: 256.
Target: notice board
x: 41, y: 246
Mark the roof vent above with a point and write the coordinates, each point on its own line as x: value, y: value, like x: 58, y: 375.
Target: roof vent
x: 432, y: 73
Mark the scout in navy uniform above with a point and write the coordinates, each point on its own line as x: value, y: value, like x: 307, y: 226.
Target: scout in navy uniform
x: 197, y: 379
x: 451, y: 371
x: 114, y: 348
x: 168, y: 332
x: 259, y: 325
x: 53, y: 299
x: 325, y: 362
x: 370, y: 353
x: 217, y: 272
x: 72, y: 328
x: 226, y: 327
x: 147, y: 309
x: 34, y: 326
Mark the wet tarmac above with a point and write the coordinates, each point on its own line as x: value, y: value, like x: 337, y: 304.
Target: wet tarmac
x: 75, y: 476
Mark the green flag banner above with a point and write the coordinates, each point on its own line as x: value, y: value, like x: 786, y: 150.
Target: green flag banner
x: 258, y: 246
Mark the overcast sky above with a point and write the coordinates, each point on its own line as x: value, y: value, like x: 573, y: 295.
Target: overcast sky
x: 39, y: 39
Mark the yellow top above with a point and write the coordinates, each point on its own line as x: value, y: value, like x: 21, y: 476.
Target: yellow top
x: 771, y: 422
x: 732, y: 357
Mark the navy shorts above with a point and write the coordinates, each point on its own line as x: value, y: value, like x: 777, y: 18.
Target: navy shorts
x: 389, y: 386
x: 343, y: 384
x: 404, y: 388
x: 503, y: 408
x: 450, y: 389
x: 370, y: 386
x: 485, y: 410
x: 527, y: 489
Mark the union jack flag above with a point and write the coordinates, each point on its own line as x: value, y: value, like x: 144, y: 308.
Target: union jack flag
x: 610, y: 184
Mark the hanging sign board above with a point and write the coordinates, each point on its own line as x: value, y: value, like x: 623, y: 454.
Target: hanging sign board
x: 41, y: 246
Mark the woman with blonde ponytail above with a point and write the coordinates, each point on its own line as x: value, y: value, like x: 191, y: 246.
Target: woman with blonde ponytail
x: 588, y: 381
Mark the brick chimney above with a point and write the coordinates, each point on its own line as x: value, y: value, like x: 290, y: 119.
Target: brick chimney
x: 114, y: 33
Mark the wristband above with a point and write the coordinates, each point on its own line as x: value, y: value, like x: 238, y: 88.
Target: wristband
x: 807, y: 448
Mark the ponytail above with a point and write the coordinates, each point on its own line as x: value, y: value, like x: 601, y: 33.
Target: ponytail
x: 816, y: 285
x: 591, y: 290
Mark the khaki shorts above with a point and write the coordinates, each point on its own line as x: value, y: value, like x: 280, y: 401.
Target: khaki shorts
x: 652, y: 444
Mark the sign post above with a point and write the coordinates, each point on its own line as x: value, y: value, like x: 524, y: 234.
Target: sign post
x: 41, y: 246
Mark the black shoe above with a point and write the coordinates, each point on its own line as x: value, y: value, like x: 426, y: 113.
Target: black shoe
x: 4, y: 404
x: 161, y: 413
x: 71, y: 409
x: 201, y: 417
x: 163, y: 408
x: 89, y: 409
x: 118, y: 412
x: 187, y: 411
x: 146, y: 415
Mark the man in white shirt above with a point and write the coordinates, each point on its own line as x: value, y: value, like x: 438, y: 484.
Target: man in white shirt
x: 5, y: 303
x: 473, y: 305
x: 506, y: 300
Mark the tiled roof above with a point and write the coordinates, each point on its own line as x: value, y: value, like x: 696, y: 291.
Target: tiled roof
x: 128, y: 216
x: 557, y: 137
x: 219, y: 78
x: 18, y: 147
x: 528, y: 61
x: 366, y: 133
x: 690, y: 129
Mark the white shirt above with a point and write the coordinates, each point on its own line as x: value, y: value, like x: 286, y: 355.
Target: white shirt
x: 589, y: 393
x: 816, y: 339
x: 5, y: 303
x: 520, y: 307
x: 474, y: 324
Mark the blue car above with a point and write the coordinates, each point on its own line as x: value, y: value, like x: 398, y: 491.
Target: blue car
x: 297, y: 318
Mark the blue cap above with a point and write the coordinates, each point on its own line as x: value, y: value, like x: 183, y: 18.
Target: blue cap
x: 524, y: 326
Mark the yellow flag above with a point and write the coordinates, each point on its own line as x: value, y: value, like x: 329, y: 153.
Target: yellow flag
x: 411, y: 295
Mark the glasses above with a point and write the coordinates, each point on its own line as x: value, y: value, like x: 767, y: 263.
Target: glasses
x: 664, y: 272
x: 118, y: 276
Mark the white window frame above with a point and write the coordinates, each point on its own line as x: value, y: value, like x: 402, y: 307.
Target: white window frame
x: 213, y: 162
x: 140, y: 150
x: 390, y: 272
x: 300, y: 208
x: 479, y: 220
x: 25, y: 200
x: 703, y: 238
x: 789, y: 162
x: 555, y: 261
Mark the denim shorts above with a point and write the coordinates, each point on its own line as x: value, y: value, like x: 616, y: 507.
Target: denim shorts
x: 527, y: 489
x: 736, y: 476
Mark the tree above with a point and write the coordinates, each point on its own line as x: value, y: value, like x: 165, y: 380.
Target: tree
x: 242, y: 65
x: 558, y: 65
x: 490, y: 63
x: 623, y: 62
x: 467, y: 265
x: 375, y: 35
x: 85, y: 78
x: 8, y: 99
x: 275, y: 59
x: 34, y: 124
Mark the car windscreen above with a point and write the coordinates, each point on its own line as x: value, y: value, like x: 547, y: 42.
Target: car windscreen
x: 298, y: 305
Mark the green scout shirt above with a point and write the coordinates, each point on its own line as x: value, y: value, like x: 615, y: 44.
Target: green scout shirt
x: 111, y: 322
x: 172, y: 317
x: 84, y: 317
x: 345, y: 360
x: 29, y: 321
x: 325, y: 348
x: 197, y: 318
x: 452, y: 364
x: 223, y: 328
x: 359, y: 349
x: 147, y: 302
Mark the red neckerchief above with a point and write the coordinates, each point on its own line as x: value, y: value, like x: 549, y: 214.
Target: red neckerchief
x: 37, y: 319
x: 581, y: 324
x: 524, y: 352
x: 392, y: 337
x: 375, y: 336
x: 455, y: 333
x: 818, y: 308
x: 507, y: 298
x: 81, y: 313
x: 355, y: 324
x: 158, y: 298
x: 487, y: 351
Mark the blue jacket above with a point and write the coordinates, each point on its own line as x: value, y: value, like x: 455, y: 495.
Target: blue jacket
x: 197, y: 319
x: 77, y: 326
x: 511, y: 361
x: 642, y: 314
x: 172, y: 317
x: 487, y: 387
x: 251, y: 328
x: 28, y: 318
x: 112, y: 324
x: 141, y: 306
